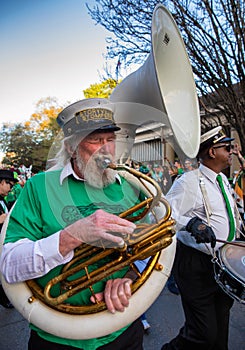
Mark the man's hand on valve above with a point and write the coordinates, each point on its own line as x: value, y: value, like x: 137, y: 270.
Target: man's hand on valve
x: 97, y: 229
x: 201, y: 232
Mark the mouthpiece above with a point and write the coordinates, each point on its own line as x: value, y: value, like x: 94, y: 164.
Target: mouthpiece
x: 103, y: 163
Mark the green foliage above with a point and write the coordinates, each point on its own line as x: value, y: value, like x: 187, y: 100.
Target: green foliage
x: 17, y: 144
x: 29, y: 143
x: 43, y: 121
x: 102, y: 90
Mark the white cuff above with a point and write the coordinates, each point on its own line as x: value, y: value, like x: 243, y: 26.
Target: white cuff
x: 48, y: 248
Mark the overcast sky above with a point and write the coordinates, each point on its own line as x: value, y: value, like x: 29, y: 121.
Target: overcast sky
x: 48, y: 48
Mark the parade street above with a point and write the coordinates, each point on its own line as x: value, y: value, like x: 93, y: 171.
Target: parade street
x: 165, y: 317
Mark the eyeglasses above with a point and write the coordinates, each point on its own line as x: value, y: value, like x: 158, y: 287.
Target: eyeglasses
x: 227, y: 146
x: 9, y: 183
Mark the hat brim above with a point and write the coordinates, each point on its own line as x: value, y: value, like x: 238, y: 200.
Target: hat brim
x: 209, y: 143
x: 8, y: 178
x: 226, y: 139
x: 71, y: 128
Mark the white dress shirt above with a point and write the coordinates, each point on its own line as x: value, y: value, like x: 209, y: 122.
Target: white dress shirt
x: 186, y: 200
x: 25, y: 259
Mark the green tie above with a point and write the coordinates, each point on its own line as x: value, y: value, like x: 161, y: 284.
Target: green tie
x: 228, y: 206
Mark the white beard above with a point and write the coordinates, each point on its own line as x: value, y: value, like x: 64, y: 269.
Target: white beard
x: 95, y: 175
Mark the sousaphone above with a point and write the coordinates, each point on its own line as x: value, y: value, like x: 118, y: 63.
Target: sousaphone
x: 162, y: 91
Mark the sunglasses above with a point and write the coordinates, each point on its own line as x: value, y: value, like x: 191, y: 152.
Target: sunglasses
x: 9, y: 183
x: 227, y: 146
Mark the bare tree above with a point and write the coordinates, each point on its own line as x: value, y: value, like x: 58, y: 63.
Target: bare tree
x: 213, y: 31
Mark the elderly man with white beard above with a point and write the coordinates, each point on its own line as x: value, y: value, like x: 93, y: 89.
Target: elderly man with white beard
x: 77, y: 201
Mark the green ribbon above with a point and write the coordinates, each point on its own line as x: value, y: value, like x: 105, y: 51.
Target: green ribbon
x: 228, y: 207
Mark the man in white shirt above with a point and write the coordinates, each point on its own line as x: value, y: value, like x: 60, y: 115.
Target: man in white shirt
x: 199, y: 208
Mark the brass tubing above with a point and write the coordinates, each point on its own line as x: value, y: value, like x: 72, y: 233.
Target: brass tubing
x: 147, y: 241
x: 69, y: 273
x: 108, y: 270
x: 102, y: 272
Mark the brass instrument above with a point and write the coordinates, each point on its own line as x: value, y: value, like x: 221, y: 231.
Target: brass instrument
x: 147, y: 241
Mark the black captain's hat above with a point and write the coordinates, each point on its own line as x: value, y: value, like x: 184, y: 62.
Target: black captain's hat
x: 92, y: 114
x: 7, y: 175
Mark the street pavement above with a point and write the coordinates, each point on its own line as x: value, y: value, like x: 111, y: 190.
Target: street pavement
x: 165, y: 317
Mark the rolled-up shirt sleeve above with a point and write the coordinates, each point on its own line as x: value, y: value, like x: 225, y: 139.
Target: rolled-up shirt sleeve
x: 26, y: 259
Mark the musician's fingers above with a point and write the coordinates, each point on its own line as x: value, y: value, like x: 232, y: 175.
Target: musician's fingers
x: 127, y: 287
x: 124, y: 293
x: 110, y: 221
x: 107, y: 296
x: 97, y: 297
x: 116, y: 294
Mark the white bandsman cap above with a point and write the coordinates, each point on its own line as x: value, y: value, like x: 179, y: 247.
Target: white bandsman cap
x: 214, y: 136
x: 87, y: 116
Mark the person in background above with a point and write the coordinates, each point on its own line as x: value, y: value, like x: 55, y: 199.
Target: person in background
x: 179, y: 167
x: 7, y: 181
x: 171, y: 284
x: 15, y: 192
x: 188, y: 165
x: 238, y: 184
x: 157, y: 174
x: 166, y: 179
x: 237, y: 151
x: 145, y: 323
x: 206, y: 306
x: 175, y: 169
x: 135, y: 165
x: 145, y: 170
